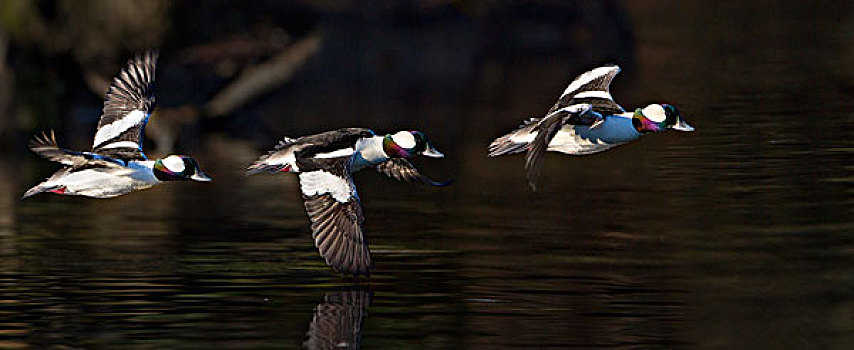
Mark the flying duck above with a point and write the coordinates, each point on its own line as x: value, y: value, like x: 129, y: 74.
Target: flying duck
x: 116, y: 164
x: 585, y: 120
x: 325, y: 163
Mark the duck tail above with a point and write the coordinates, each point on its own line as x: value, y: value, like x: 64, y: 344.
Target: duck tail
x: 514, y: 141
x: 266, y: 163
x: 41, y: 188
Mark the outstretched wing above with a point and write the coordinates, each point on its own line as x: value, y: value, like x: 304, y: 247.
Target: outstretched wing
x: 128, y: 105
x: 336, y: 217
x: 337, y: 321
x: 592, y: 87
x: 46, y: 146
x: 402, y: 170
x: 546, y: 130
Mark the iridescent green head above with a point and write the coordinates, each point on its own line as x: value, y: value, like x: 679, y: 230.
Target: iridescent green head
x: 179, y: 168
x: 659, y: 117
x: 407, y: 144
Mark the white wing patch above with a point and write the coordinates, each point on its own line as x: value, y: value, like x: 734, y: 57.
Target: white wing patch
x: 594, y: 94
x: 580, y: 108
x: 322, y: 182
x: 174, y: 164
x: 119, y: 126
x: 335, y: 154
x: 654, y: 112
x: 122, y: 144
x: 588, y: 77
x: 404, y: 139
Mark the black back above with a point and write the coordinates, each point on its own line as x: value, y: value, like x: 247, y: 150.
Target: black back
x: 326, y: 142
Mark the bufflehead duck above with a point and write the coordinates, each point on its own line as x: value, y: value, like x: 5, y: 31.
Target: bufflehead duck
x: 585, y: 120
x: 116, y: 165
x: 325, y: 163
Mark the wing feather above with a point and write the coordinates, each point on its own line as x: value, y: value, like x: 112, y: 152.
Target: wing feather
x: 336, y: 217
x: 592, y: 87
x: 47, y: 147
x: 127, y: 107
x: 402, y: 170
x: 546, y: 130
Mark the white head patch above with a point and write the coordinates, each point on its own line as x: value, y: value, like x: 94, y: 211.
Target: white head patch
x: 174, y: 163
x: 404, y: 139
x: 654, y: 112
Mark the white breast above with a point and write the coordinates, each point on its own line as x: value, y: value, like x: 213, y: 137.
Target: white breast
x: 106, y: 182
x: 369, y: 152
x: 580, y: 139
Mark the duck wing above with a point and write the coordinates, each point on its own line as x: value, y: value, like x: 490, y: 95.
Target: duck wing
x: 546, y: 130
x: 592, y: 87
x: 402, y: 170
x: 46, y: 146
x: 127, y: 107
x: 333, y: 207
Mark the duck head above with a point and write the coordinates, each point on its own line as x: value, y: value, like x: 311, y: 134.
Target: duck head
x: 659, y: 117
x: 408, y: 144
x: 179, y: 168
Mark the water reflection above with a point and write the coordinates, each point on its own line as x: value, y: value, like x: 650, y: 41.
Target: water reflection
x: 337, y: 320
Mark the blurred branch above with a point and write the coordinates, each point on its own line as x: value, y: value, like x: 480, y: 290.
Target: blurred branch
x: 264, y: 77
x: 165, y: 126
x: 96, y: 82
x: 251, y: 82
x: 263, y: 41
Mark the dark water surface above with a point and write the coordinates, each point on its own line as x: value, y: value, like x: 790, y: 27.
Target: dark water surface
x: 739, y: 235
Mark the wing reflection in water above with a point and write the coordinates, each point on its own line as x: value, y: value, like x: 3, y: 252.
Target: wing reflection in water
x: 337, y: 321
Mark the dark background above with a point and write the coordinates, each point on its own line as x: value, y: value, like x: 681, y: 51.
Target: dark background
x: 736, y: 236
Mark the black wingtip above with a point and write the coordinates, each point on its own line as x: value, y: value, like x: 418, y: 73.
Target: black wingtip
x: 428, y: 181
x: 533, y: 167
x: 532, y: 185
x: 533, y: 176
x: 44, y: 140
x: 441, y: 184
